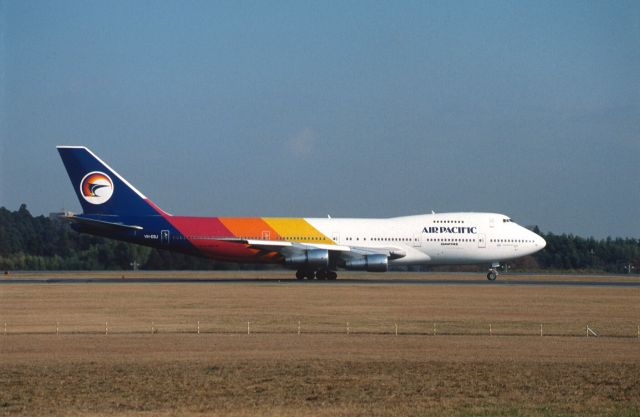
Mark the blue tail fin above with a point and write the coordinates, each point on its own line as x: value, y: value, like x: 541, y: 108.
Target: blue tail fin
x: 99, y: 188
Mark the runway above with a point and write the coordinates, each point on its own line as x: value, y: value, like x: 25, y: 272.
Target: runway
x: 338, y: 282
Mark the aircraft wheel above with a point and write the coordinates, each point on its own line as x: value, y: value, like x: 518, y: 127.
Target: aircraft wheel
x: 300, y: 274
x: 310, y: 275
x: 492, y: 275
x: 321, y: 275
x: 332, y: 275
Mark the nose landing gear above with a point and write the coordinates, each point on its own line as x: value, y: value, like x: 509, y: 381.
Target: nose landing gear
x: 493, y: 271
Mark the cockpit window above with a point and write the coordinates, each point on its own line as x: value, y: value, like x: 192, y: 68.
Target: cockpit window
x: 506, y: 220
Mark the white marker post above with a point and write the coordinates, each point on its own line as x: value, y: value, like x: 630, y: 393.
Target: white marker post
x: 57, y: 329
x: 198, y: 326
x: 348, y: 329
x: 435, y: 329
x: 490, y: 333
x: 248, y: 327
x: 298, y: 327
x: 106, y: 328
x: 541, y: 330
x: 396, y: 329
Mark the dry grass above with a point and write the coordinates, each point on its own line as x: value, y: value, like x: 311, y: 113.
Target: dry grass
x: 316, y: 375
x: 322, y: 372
x: 274, y: 308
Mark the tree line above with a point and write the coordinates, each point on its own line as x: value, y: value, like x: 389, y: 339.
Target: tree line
x: 41, y: 243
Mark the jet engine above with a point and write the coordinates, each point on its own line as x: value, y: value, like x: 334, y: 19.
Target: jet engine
x: 313, y: 258
x: 371, y: 263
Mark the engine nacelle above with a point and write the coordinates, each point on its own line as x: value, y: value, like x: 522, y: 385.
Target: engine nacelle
x: 370, y: 263
x: 314, y: 258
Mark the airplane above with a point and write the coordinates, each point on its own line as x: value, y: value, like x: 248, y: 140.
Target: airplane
x: 315, y: 247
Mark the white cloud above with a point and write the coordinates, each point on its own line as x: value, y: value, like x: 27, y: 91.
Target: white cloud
x: 302, y: 143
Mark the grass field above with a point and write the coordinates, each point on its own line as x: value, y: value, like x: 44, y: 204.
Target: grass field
x: 323, y: 371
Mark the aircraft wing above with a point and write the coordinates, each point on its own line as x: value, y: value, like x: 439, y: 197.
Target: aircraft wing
x: 280, y: 245
x: 389, y: 252
x: 287, y: 247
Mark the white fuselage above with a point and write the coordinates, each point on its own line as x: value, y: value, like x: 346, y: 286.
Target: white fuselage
x: 442, y: 238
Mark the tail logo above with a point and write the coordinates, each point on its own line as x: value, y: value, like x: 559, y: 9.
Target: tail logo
x: 96, y: 187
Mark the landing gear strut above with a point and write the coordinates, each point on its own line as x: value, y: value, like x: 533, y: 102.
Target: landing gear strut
x: 493, y: 272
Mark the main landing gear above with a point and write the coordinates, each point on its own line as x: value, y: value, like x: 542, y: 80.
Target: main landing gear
x: 493, y: 272
x: 321, y: 274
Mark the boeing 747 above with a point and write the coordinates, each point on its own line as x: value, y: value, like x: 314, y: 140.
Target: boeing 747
x: 315, y: 247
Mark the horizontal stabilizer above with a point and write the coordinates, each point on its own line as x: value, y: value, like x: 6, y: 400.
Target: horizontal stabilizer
x: 100, y: 224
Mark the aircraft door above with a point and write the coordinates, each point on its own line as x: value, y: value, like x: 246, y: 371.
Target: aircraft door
x: 164, y: 237
x: 482, y: 242
x: 336, y: 237
x: 417, y: 240
x: 266, y: 235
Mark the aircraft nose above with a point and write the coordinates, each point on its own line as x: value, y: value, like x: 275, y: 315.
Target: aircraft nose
x: 538, y: 241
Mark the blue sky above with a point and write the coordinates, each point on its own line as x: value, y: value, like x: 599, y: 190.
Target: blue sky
x: 354, y: 109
